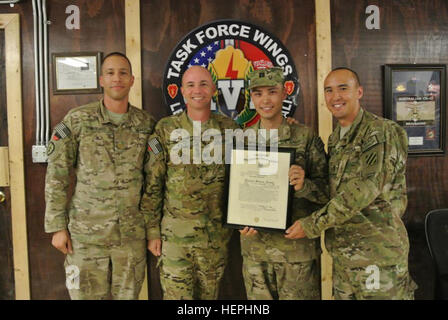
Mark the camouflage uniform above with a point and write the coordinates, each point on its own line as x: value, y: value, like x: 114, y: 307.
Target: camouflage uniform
x: 103, y: 215
x: 185, y: 202
x: 278, y: 268
x: 363, y: 218
x: 95, y: 275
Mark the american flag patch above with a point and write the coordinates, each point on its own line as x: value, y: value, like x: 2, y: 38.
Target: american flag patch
x: 154, y: 146
x: 61, y: 131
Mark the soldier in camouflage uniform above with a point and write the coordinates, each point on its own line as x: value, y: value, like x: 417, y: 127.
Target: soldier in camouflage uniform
x: 100, y: 228
x: 275, y: 265
x: 185, y: 200
x: 365, y: 234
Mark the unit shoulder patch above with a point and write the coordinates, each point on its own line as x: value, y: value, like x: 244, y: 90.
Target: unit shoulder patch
x: 371, y: 158
x: 50, y: 148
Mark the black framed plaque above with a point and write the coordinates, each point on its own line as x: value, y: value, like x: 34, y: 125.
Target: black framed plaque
x: 415, y: 99
x: 259, y: 193
x: 76, y: 72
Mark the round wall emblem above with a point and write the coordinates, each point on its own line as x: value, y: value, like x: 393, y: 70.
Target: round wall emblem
x: 230, y: 50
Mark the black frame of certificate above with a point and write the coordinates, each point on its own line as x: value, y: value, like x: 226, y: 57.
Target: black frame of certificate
x: 94, y: 54
x: 414, y: 97
x: 287, y: 215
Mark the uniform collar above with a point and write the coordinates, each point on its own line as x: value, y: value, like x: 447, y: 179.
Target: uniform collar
x: 131, y: 119
x: 187, y: 122
x: 284, y: 131
x: 335, y: 137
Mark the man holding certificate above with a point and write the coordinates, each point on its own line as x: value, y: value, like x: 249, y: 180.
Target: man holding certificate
x: 364, y: 231
x: 277, y: 266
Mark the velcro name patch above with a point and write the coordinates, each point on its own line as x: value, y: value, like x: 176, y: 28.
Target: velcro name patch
x: 372, y: 141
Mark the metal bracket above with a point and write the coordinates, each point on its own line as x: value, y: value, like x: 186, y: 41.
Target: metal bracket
x: 11, y: 2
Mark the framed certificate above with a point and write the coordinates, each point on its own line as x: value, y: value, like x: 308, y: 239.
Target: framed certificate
x: 259, y: 194
x: 75, y: 73
x: 415, y: 99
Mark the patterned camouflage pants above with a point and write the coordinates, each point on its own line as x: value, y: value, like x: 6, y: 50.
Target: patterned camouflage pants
x: 284, y: 281
x: 106, y: 272
x: 191, y: 273
x: 382, y: 283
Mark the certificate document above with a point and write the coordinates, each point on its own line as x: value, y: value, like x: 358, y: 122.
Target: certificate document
x: 76, y: 73
x: 259, y: 194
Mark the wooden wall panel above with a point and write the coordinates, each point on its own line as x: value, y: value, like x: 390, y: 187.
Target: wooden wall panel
x: 410, y: 32
x: 6, y: 256
x: 165, y: 23
x: 101, y: 29
x: 3, y: 115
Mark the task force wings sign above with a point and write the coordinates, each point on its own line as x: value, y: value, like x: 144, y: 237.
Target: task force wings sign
x: 230, y: 50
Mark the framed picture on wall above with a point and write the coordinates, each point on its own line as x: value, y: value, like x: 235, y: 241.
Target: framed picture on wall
x: 415, y: 98
x: 76, y: 72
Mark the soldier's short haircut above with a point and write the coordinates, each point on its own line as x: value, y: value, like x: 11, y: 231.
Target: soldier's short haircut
x: 116, y: 53
x: 352, y: 71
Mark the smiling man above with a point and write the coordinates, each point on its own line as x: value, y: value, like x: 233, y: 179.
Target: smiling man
x: 364, y: 231
x: 100, y: 228
x: 186, y: 200
x: 275, y: 265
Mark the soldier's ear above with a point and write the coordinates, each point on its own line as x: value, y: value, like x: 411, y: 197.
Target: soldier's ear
x: 182, y: 92
x: 360, y: 92
x: 284, y: 93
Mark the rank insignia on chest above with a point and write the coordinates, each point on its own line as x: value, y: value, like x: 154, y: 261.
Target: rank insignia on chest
x: 154, y: 146
x: 61, y: 131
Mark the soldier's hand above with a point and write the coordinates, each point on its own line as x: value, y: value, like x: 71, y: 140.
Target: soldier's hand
x: 290, y: 120
x: 155, y: 246
x: 296, y: 177
x: 61, y: 240
x: 295, y: 231
x: 248, y: 232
